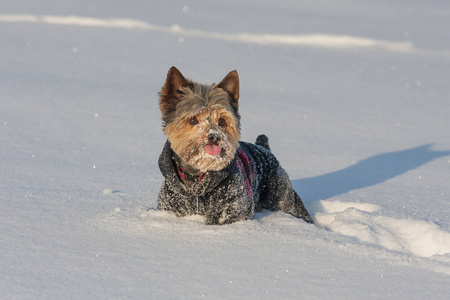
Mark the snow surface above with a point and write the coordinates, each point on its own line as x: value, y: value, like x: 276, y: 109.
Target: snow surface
x: 353, y: 95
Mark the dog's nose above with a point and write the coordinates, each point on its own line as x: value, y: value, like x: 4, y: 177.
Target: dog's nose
x: 213, y: 138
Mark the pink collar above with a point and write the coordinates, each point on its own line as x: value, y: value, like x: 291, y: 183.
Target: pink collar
x: 182, y: 174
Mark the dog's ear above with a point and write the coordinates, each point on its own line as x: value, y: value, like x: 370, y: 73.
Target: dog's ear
x: 175, y: 80
x: 169, y: 96
x: 230, y: 84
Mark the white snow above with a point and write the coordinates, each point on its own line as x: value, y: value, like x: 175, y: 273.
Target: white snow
x: 417, y: 238
x: 314, y: 40
x: 353, y: 95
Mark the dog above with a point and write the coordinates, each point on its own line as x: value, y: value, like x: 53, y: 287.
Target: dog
x: 207, y: 169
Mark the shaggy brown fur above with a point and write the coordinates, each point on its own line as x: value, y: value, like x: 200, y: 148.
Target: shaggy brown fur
x: 195, y: 115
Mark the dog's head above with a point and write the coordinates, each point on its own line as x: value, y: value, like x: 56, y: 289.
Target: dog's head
x: 201, y: 122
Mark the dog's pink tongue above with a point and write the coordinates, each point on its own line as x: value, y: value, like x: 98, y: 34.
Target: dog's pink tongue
x: 213, y: 149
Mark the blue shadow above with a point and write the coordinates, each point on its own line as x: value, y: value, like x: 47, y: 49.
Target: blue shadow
x: 368, y: 172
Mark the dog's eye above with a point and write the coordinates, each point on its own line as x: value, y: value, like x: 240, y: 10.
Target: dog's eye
x: 222, y: 122
x: 193, y: 121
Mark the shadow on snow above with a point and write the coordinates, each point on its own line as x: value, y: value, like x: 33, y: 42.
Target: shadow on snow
x: 368, y: 172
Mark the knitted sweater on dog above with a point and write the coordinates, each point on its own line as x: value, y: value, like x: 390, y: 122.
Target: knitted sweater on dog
x: 224, y: 196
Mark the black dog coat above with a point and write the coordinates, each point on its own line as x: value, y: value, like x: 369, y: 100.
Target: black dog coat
x: 252, y: 181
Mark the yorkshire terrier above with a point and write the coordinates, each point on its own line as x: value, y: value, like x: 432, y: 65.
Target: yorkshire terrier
x: 207, y: 169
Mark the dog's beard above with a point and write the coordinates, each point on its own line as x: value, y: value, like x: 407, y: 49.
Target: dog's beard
x: 203, y: 161
x: 193, y: 153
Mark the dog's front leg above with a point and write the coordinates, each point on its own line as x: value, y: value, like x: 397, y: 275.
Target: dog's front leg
x: 229, y: 205
x: 230, y: 214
